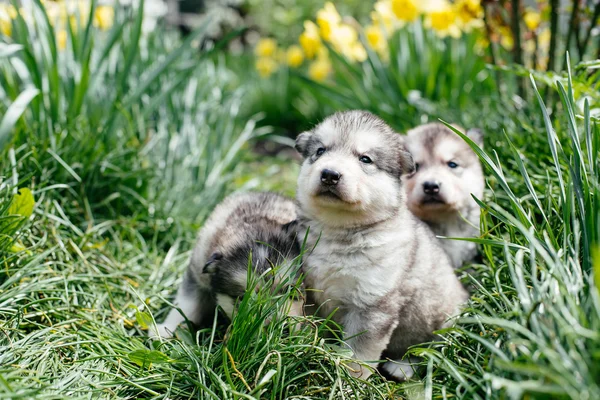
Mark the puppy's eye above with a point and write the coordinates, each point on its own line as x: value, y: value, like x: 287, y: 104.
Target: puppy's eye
x: 320, y: 151
x: 452, y: 164
x: 416, y: 167
x: 365, y: 159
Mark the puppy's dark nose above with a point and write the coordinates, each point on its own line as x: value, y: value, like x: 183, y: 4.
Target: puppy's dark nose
x: 330, y: 177
x: 431, y: 187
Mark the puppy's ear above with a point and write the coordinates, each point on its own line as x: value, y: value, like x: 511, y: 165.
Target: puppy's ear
x: 406, y: 161
x: 407, y: 164
x: 211, y: 264
x: 476, y: 135
x: 302, y: 142
x: 290, y: 227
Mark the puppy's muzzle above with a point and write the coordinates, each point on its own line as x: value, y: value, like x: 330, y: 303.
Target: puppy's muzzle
x: 431, y: 187
x: 330, y: 177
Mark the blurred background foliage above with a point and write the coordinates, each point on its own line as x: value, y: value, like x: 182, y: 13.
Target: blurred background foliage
x: 413, y: 62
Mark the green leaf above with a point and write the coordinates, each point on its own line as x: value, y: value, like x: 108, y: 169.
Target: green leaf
x: 143, y: 319
x: 596, y: 266
x: 8, y: 50
x: 17, y: 247
x: 144, y: 358
x: 14, y: 112
x: 22, y: 204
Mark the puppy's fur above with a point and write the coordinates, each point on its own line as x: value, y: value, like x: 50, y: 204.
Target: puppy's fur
x: 256, y: 224
x: 375, y: 262
x: 439, y: 190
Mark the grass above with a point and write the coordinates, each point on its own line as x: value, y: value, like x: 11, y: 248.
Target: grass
x: 87, y: 270
x: 533, y: 325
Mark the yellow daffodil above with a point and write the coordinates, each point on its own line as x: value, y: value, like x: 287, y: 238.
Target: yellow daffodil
x: 323, y: 52
x: 469, y: 14
x: 57, y: 13
x: 310, y: 40
x: 265, y: 66
x: 319, y: 69
x: 358, y: 52
x: 427, y: 6
x: 443, y: 22
x: 344, y: 39
x: 375, y: 37
x: 405, y: 10
x: 266, y: 47
x: 544, y: 38
x: 7, y: 14
x: 506, y: 38
x: 343, y: 36
x: 328, y: 18
x: 482, y: 45
x: 383, y: 15
x: 294, y: 56
x: 104, y: 17
x: 532, y: 19
x: 61, y: 39
x: 78, y: 13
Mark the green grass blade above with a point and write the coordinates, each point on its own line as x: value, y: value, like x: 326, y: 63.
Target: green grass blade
x: 553, y: 141
x: 14, y: 112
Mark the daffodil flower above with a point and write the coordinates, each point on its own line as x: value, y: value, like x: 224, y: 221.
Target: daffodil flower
x: 265, y: 66
x: 532, y: 19
x: 310, y: 40
x: 294, y: 56
x: 405, y: 10
x: 319, y: 69
x: 328, y: 19
x: 266, y: 47
x: 443, y: 21
x: 7, y: 14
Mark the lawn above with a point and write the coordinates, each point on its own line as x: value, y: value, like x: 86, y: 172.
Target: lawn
x: 119, y: 135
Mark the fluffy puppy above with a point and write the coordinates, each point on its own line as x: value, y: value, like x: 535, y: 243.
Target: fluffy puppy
x: 368, y: 256
x: 447, y: 172
x: 243, y: 225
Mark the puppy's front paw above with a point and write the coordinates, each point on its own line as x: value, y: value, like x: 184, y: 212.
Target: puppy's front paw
x: 400, y: 370
x: 359, y: 371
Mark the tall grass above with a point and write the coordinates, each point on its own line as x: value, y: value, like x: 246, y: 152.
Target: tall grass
x: 127, y: 119
x: 533, y: 324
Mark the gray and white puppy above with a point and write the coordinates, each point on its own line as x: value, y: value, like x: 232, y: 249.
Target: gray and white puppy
x: 367, y: 255
x: 243, y: 224
x: 447, y: 172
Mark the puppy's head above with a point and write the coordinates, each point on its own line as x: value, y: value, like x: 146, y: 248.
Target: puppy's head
x: 268, y: 250
x: 446, y: 172
x: 351, y: 172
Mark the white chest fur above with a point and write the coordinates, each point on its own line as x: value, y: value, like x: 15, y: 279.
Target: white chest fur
x: 354, y: 269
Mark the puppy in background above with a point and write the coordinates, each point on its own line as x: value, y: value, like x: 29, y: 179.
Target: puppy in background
x: 367, y: 256
x: 447, y: 172
x: 256, y: 224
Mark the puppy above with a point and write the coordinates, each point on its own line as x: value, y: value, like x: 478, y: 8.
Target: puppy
x: 243, y: 225
x: 368, y: 256
x: 447, y: 172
